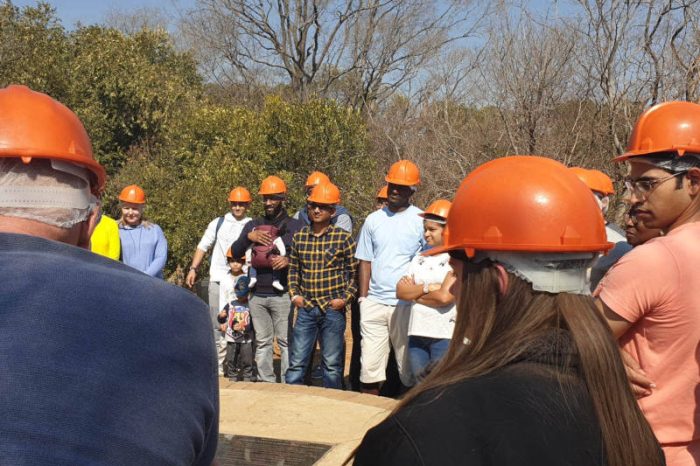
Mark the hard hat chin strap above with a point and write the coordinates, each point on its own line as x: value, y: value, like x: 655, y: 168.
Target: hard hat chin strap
x: 550, y: 272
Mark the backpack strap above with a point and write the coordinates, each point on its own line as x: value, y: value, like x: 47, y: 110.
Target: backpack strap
x: 219, y: 222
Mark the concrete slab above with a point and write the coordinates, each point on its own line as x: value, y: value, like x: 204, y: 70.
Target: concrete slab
x: 301, y: 413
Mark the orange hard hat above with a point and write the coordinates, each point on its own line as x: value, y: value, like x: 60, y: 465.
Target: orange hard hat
x: 33, y: 125
x: 273, y: 185
x: 439, y: 208
x: 403, y: 172
x: 133, y: 194
x: 239, y: 194
x: 325, y: 193
x: 316, y: 178
x: 665, y: 127
x: 229, y: 255
x: 596, y: 180
x: 526, y: 204
x: 383, y: 193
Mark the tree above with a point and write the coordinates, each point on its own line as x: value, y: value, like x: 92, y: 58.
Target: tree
x: 367, y: 48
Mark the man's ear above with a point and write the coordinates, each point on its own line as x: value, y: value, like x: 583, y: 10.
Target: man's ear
x: 502, y: 279
x: 693, y: 176
x: 88, y: 226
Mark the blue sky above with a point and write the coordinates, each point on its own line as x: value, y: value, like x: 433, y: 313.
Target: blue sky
x: 95, y: 11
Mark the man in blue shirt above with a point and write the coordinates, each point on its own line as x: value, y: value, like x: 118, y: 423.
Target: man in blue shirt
x: 388, y: 241
x: 99, y: 363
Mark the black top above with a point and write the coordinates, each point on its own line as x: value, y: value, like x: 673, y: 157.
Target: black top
x: 518, y: 415
x: 288, y: 226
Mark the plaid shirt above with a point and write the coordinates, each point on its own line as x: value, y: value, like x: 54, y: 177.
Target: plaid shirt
x: 322, y: 268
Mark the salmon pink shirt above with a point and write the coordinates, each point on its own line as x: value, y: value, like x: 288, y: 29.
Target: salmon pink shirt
x: 656, y: 287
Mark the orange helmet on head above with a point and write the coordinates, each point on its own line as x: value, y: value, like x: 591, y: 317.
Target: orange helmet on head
x: 403, y: 172
x: 33, y: 125
x: 133, y: 194
x: 239, y: 194
x: 316, y: 178
x: 596, y: 180
x: 325, y: 193
x: 666, y: 127
x: 524, y: 204
x: 439, y: 208
x: 272, y: 185
x: 383, y: 193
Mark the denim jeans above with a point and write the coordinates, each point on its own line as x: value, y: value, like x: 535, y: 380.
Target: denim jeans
x: 423, y: 351
x: 331, y: 326
x: 270, y: 315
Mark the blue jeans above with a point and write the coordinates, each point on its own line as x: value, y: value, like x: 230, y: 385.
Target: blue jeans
x: 423, y: 351
x: 331, y: 326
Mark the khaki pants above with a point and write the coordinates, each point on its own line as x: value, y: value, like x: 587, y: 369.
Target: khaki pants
x: 380, y: 326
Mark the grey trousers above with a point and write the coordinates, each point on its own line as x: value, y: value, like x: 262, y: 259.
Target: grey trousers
x: 214, y: 310
x: 270, y: 316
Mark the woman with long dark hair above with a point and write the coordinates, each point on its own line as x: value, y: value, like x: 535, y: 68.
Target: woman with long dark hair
x: 533, y: 375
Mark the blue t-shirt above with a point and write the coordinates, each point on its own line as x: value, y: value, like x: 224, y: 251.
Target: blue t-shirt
x: 389, y: 241
x: 101, y: 364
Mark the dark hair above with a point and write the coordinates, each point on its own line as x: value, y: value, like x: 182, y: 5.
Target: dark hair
x: 503, y: 328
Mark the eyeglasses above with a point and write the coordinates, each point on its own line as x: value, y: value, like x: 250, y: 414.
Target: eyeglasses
x: 645, y: 186
x: 313, y: 206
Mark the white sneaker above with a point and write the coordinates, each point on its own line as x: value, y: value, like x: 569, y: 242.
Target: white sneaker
x: 277, y: 285
x: 252, y: 282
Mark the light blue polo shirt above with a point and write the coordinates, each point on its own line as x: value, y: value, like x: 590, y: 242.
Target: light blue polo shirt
x: 389, y: 241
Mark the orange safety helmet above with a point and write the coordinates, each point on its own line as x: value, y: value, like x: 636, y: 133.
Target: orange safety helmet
x: 403, y: 172
x: 239, y: 194
x: 325, y: 193
x: 33, y: 125
x: 665, y: 127
x: 596, y: 180
x: 133, y: 194
x: 526, y: 204
x: 383, y: 193
x: 316, y: 178
x: 439, y: 208
x: 272, y: 185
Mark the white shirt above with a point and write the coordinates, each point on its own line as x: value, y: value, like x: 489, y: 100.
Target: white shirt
x: 427, y: 321
x: 227, y: 289
x: 228, y: 233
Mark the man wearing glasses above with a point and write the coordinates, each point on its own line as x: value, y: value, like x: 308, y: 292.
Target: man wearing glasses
x: 269, y: 306
x: 322, y: 268
x: 220, y: 233
x: 650, y: 297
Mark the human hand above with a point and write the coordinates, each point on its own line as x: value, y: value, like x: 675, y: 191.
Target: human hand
x: 337, y: 304
x: 260, y: 237
x: 279, y: 262
x: 407, y: 280
x: 191, y: 277
x: 298, y: 301
x: 640, y: 383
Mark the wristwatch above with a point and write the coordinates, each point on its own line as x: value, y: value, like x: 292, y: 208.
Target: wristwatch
x: 426, y: 288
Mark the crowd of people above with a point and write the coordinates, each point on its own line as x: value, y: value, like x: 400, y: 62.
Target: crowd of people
x: 518, y: 325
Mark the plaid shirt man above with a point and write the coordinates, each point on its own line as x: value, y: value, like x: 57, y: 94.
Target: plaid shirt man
x: 322, y: 268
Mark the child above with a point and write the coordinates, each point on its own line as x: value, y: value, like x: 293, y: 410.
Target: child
x: 259, y: 255
x: 228, y: 282
x: 235, y: 321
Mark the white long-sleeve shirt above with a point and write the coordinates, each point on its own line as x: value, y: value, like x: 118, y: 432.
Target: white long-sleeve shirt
x: 228, y: 233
